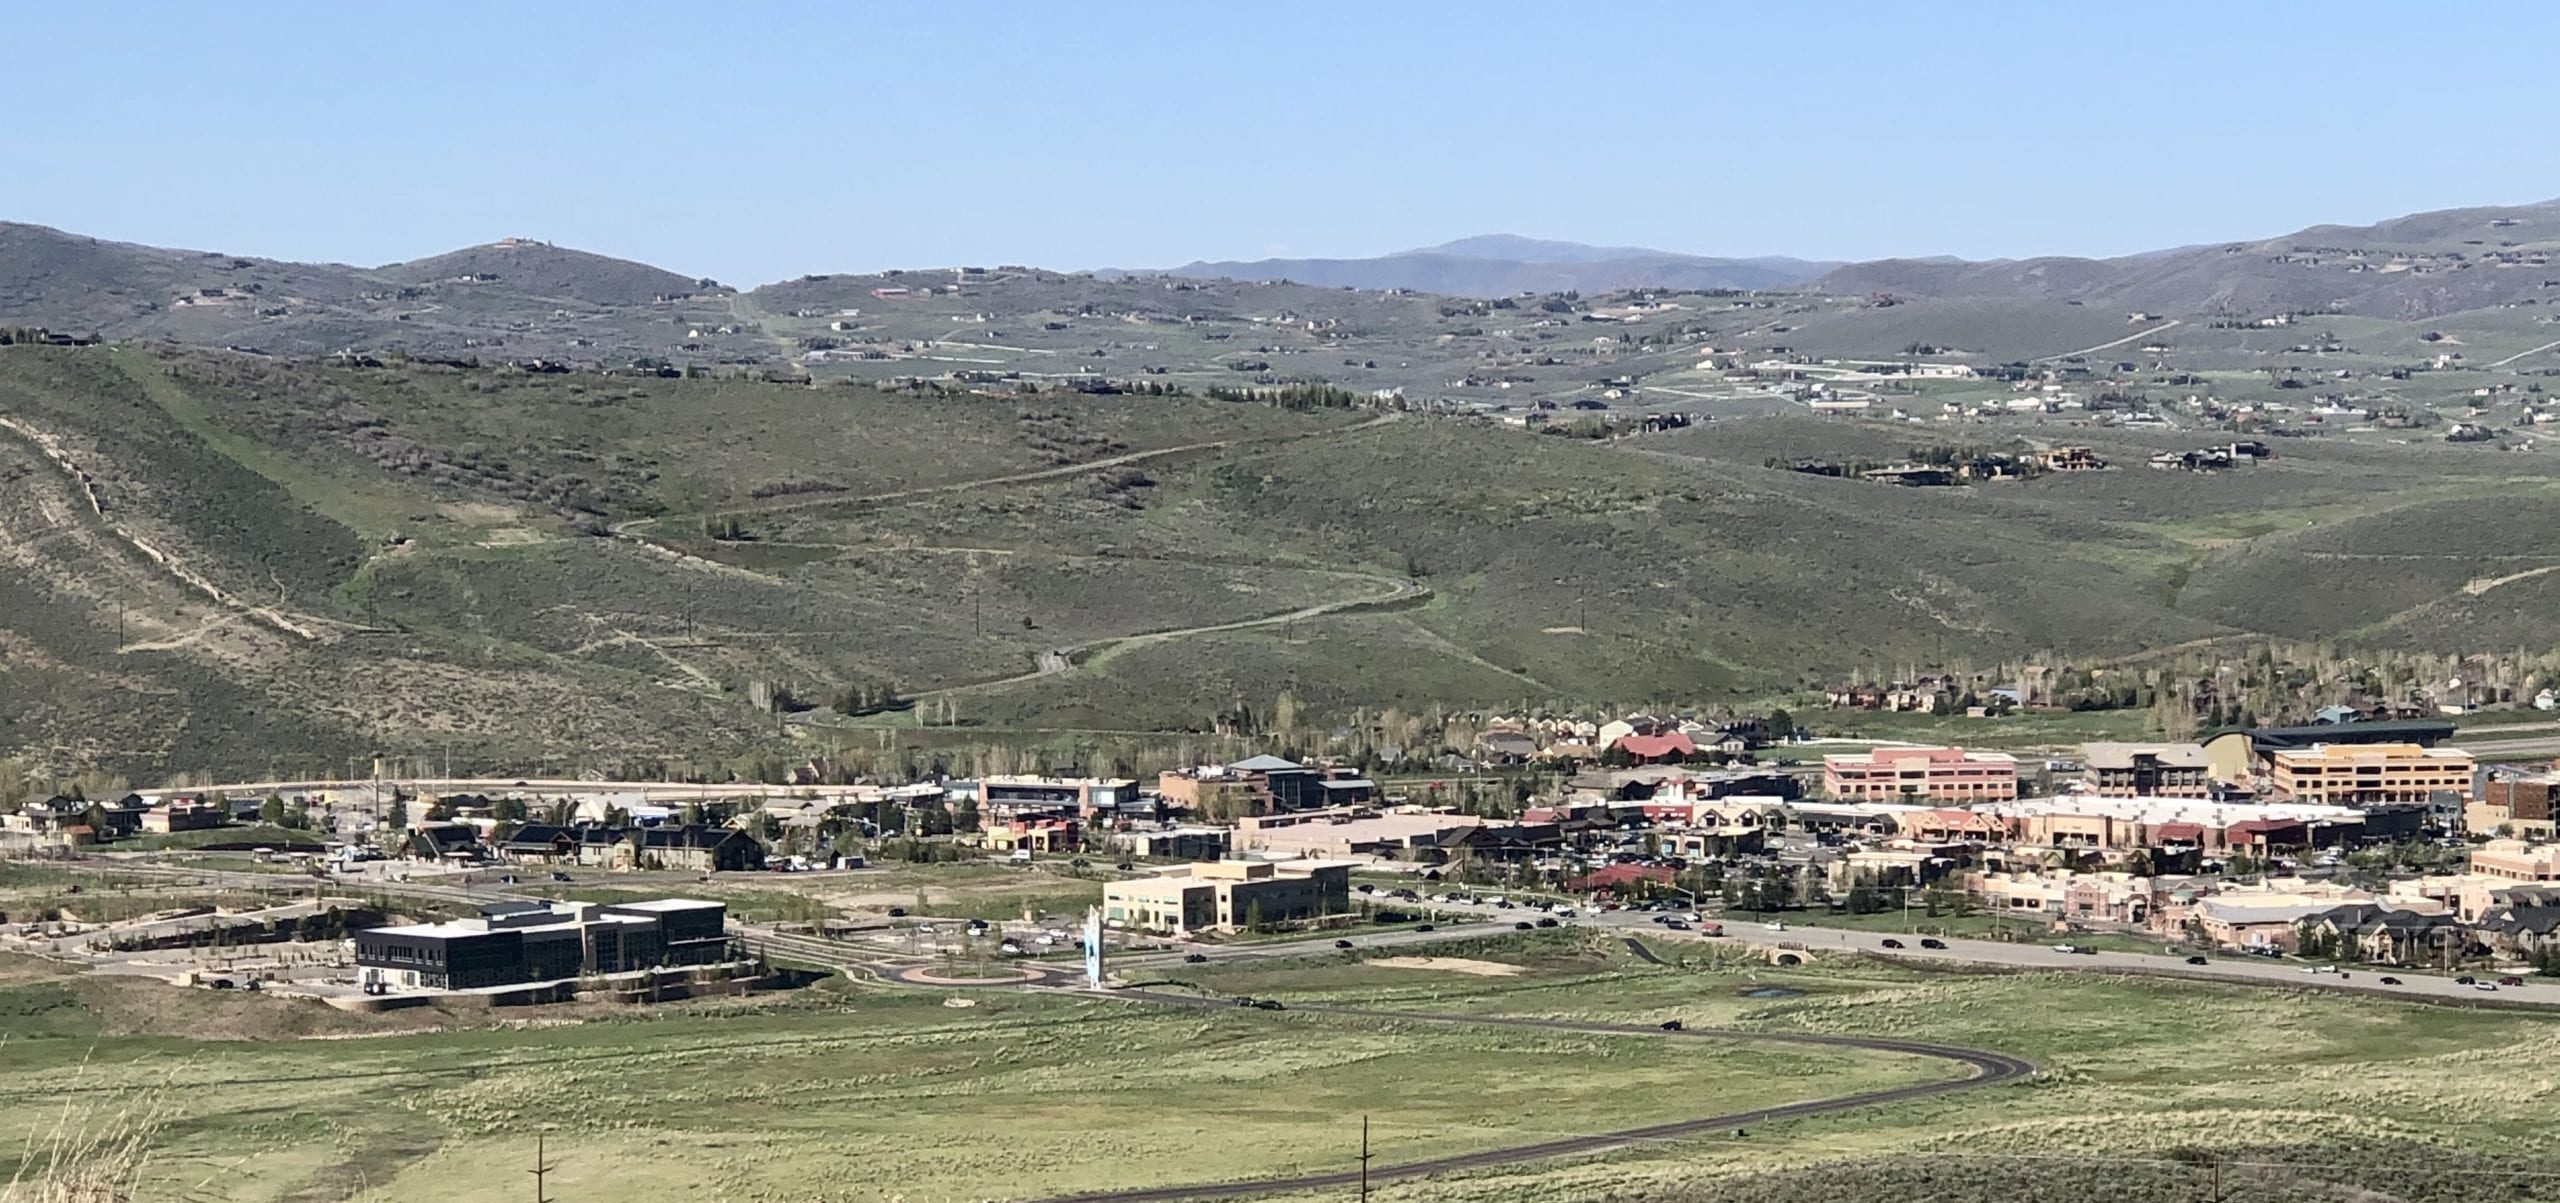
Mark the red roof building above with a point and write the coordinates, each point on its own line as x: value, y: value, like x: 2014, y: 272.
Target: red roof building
x: 1670, y: 745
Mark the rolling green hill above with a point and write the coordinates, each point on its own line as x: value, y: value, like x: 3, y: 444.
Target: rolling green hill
x: 231, y: 561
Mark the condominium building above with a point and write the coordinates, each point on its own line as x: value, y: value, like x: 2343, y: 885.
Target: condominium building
x: 2119, y: 770
x: 1229, y: 895
x: 1914, y: 774
x: 2369, y: 774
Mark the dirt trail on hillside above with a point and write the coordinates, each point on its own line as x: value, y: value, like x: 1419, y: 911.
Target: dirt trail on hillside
x: 299, y: 625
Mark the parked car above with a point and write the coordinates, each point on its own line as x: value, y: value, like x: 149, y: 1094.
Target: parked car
x: 2195, y: 960
x: 1524, y: 925
x: 1342, y: 943
x: 2491, y: 987
x: 1673, y: 1025
x: 1546, y: 921
x: 559, y: 876
x: 2466, y: 980
x: 897, y: 912
x: 1891, y: 943
x: 2319, y: 969
x: 2511, y: 980
x: 1428, y: 927
x: 1244, y: 1000
x: 1269, y: 1004
x: 1774, y: 925
x: 1194, y: 958
x: 1934, y: 943
x: 1675, y: 925
x: 2391, y: 981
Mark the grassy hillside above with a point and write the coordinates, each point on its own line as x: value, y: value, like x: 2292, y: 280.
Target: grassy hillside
x: 2303, y: 1097
x: 224, y: 561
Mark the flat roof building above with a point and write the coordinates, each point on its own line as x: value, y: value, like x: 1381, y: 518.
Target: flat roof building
x: 1921, y: 774
x: 1229, y: 895
x: 2517, y: 860
x: 2369, y: 774
x: 516, y: 943
x: 2126, y: 770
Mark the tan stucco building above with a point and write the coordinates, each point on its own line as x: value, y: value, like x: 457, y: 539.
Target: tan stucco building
x: 2369, y: 774
x: 1229, y: 895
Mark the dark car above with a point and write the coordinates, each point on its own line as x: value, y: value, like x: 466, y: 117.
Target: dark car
x: 1193, y: 958
x: 1549, y: 921
x: 1673, y: 1025
x: 560, y: 877
x: 1676, y: 925
x: 897, y: 912
x: 2195, y: 960
x: 2391, y: 981
x: 2511, y: 980
x: 222, y: 983
x: 2084, y: 950
x: 1524, y: 925
x: 1933, y: 943
x: 1427, y: 927
x: 1269, y: 1004
x: 1893, y: 943
x: 2466, y: 980
x: 1366, y: 888
x: 1342, y: 943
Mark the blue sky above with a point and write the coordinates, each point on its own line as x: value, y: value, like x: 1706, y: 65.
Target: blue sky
x: 755, y: 141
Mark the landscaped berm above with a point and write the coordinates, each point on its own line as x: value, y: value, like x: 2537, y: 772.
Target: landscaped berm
x: 2144, y: 1092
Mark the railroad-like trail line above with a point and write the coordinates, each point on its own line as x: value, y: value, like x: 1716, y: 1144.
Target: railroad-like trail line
x: 2521, y: 354
x: 1986, y: 1069
x: 2115, y: 342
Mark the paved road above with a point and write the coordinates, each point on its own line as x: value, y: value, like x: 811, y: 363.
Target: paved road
x: 1983, y: 1069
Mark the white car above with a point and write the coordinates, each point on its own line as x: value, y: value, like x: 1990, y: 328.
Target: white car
x: 1774, y: 925
x: 2319, y: 969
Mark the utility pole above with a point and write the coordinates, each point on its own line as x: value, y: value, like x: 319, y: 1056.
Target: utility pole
x: 541, y: 1168
x: 2215, y: 1167
x: 1364, y: 1159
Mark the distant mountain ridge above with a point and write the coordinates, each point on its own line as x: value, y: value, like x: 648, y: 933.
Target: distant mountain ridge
x: 1491, y: 265
x: 2407, y: 269
x: 520, y: 299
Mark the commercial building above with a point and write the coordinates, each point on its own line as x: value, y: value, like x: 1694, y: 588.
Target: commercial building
x: 1917, y: 774
x: 2369, y: 774
x: 2122, y: 770
x: 2518, y: 805
x: 2177, y: 824
x: 1002, y: 798
x: 1229, y: 896
x: 1348, y: 832
x: 184, y: 814
x: 516, y: 943
x: 2517, y: 860
x: 2241, y: 752
x: 1177, y: 843
x: 1264, y: 785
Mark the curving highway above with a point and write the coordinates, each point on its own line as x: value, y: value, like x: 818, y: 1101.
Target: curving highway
x: 1987, y: 1069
